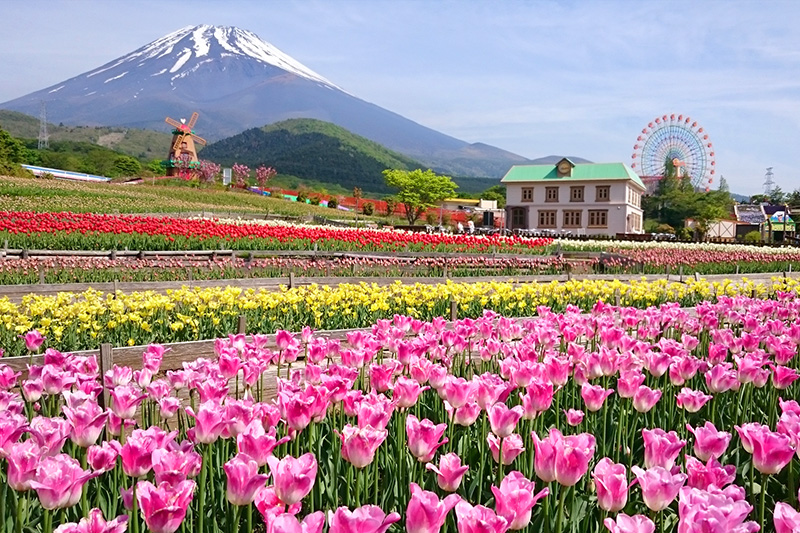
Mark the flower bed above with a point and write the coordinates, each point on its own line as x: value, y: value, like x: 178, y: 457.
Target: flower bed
x: 625, y: 418
x: 83, y: 321
x: 87, y: 231
x: 85, y: 270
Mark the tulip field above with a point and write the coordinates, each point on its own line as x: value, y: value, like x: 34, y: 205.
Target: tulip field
x: 620, y: 419
x: 83, y: 321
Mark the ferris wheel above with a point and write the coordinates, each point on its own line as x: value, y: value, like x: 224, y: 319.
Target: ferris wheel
x: 674, y: 141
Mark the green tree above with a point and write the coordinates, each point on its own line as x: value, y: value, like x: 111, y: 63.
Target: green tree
x: 793, y: 198
x: 498, y: 192
x: 419, y: 190
x: 777, y: 196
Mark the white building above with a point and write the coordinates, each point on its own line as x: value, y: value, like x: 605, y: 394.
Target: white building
x: 582, y: 199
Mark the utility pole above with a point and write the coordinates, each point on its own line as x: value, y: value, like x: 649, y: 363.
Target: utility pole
x: 43, y: 136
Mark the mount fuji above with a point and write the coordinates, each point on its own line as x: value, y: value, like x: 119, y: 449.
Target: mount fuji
x: 237, y: 81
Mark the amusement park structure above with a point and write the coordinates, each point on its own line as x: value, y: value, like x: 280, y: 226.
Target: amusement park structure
x: 182, y: 160
x: 674, y: 142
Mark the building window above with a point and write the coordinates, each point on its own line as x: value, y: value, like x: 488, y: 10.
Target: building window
x: 518, y: 218
x: 551, y: 194
x: 603, y: 193
x: 572, y: 219
x: 598, y: 218
x: 576, y: 194
x: 547, y: 219
x: 527, y: 194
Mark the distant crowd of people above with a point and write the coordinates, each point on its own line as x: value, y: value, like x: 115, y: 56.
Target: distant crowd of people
x: 470, y: 227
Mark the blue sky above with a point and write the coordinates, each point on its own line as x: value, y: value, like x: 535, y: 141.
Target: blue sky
x: 535, y: 78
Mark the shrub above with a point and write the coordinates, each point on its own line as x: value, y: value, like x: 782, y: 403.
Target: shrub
x: 333, y: 203
x: 391, y: 205
x: 368, y: 208
x: 314, y: 200
x: 431, y: 219
x: 446, y: 219
x: 665, y: 228
x: 302, y: 196
x: 752, y: 237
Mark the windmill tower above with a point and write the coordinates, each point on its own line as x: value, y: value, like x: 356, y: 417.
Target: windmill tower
x: 182, y: 159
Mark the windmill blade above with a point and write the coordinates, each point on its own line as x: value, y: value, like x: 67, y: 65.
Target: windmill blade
x: 179, y: 139
x: 199, y: 140
x: 193, y: 120
x: 174, y: 123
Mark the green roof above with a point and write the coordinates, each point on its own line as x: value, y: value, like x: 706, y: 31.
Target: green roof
x: 581, y: 171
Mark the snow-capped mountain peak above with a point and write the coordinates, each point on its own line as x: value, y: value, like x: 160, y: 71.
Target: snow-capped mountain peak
x: 194, y: 45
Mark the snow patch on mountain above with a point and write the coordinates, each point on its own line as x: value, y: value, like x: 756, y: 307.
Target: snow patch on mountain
x: 116, y: 77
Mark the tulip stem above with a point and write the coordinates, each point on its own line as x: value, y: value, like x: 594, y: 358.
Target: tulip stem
x: 483, y: 455
x: 250, y: 518
x: 201, y: 494
x: 764, y: 479
x: 561, y: 503
x: 3, y: 491
x: 47, y: 526
x: 134, y: 521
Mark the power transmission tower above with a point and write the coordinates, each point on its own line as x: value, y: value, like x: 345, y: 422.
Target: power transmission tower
x: 43, y: 137
x: 769, y: 185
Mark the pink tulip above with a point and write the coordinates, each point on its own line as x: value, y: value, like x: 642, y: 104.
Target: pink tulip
x: 503, y: 421
x: 59, y: 481
x: 243, y: 479
x: 104, y: 457
x: 381, y: 376
x: 49, y: 433
x: 702, y: 476
x: 574, y: 417
x: 645, y: 399
x: 406, y: 391
x: 257, y: 443
x: 124, y: 401
x: 659, y: 486
x: 708, y: 442
x: 512, y: 447
x: 449, y: 473
x: 594, y: 396
x: 545, y: 457
x: 8, y: 378
x: 137, y: 454
x: 360, y: 444
x: 771, y: 451
x: 491, y: 389
x: 783, y: 377
x: 721, y: 378
x: 573, y: 454
x: 714, y: 510
x: 514, y: 499
x: 466, y: 415
x: 611, y: 480
x: 164, y: 507
x: 785, y: 518
x: 423, y: 437
x: 32, y: 390
x: 33, y: 340
x: 293, y: 478
x: 365, y: 519
x: 629, y: 524
x: 208, y: 422
x: 95, y: 523
x: 661, y: 448
x: 287, y: 523
x: 174, y: 466
x: 629, y: 382
x: 479, y: 519
x: 86, y: 423
x: 425, y: 512
x: 23, y: 458
x: 692, y: 400
x: 458, y: 391
x: 537, y: 399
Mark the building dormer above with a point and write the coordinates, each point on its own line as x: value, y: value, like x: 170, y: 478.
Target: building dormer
x: 564, y: 168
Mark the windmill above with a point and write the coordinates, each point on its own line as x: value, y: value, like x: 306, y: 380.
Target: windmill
x: 183, y: 155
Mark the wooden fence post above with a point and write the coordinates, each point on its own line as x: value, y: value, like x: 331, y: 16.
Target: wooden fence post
x: 697, y: 276
x: 291, y: 280
x: 24, y: 253
x: 680, y: 272
x: 242, y: 326
x: 737, y: 269
x: 617, y: 297
x: 106, y: 363
x: 113, y: 254
x: 453, y: 310
x: 41, y: 275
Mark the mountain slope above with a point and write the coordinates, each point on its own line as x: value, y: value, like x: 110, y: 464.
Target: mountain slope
x: 312, y: 150
x: 236, y: 81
